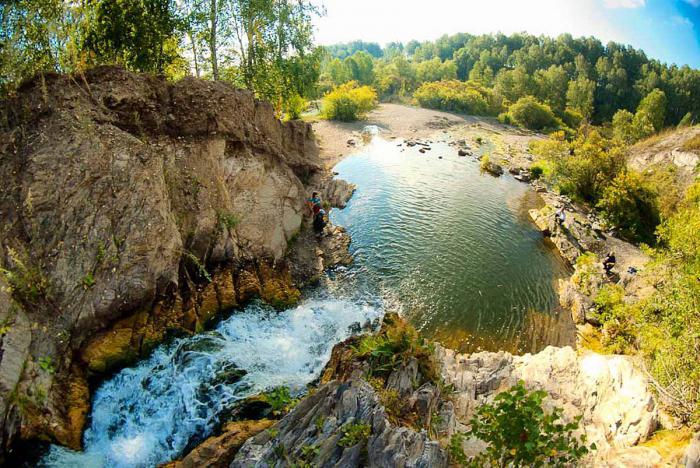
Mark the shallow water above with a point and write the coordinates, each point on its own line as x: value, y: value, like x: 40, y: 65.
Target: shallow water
x: 454, y: 248
x: 449, y: 247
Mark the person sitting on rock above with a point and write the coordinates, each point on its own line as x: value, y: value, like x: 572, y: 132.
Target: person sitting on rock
x: 319, y: 222
x: 561, y: 215
x: 609, y: 262
x: 314, y: 203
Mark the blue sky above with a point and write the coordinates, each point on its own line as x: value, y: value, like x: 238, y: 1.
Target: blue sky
x: 668, y: 30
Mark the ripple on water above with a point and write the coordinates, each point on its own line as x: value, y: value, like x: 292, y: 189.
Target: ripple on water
x: 453, y: 246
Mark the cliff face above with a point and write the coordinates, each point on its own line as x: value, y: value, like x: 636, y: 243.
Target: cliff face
x: 132, y: 208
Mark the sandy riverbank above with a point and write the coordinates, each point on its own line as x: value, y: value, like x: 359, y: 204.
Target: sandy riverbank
x: 401, y: 121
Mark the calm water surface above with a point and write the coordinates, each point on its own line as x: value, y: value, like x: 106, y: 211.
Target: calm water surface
x: 454, y: 248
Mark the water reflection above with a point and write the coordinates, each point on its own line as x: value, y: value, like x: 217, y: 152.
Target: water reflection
x: 453, y: 247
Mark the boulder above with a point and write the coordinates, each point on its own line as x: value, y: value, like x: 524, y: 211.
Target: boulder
x: 338, y: 192
x: 218, y: 451
x: 613, y: 397
x: 691, y: 459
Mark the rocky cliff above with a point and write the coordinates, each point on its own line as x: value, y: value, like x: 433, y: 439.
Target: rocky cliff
x: 132, y: 209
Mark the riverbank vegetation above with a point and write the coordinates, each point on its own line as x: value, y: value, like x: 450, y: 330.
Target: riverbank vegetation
x: 577, y: 79
x: 265, y: 46
x: 348, y: 102
x: 653, y: 209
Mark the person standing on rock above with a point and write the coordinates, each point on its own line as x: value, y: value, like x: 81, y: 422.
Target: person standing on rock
x: 319, y: 222
x: 314, y: 203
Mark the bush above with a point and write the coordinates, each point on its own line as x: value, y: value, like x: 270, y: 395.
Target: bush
x: 294, y: 106
x: 528, y: 112
x: 348, y: 102
x: 541, y: 169
x: 584, y: 167
x: 630, y: 206
x: 519, y: 432
x: 572, y: 118
x: 457, y: 96
x: 692, y: 144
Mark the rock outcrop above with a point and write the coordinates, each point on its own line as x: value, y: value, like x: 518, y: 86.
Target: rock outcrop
x: 351, y: 420
x: 133, y: 208
x: 316, y: 431
x: 609, y: 393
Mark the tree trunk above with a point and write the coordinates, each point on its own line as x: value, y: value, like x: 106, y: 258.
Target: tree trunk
x: 212, y: 41
x: 194, y: 53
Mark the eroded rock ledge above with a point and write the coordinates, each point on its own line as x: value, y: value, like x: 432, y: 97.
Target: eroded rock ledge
x: 135, y: 208
x: 609, y: 393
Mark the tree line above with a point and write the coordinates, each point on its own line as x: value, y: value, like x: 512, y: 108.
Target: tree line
x: 579, y: 74
x: 263, y: 45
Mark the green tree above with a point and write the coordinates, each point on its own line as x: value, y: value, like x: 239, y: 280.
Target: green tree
x: 552, y: 86
x: 580, y: 96
x: 584, y: 167
x: 134, y: 33
x: 360, y: 67
x: 654, y: 107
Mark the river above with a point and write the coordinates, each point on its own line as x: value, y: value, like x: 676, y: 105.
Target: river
x: 449, y: 247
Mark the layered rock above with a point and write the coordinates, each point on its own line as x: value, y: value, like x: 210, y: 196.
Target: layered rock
x: 321, y: 421
x: 133, y: 208
x: 351, y: 420
x: 610, y: 394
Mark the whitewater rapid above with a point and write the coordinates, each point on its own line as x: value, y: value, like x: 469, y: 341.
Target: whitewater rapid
x: 148, y: 414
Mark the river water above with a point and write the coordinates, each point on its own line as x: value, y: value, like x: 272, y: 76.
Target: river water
x: 455, y: 248
x: 448, y: 246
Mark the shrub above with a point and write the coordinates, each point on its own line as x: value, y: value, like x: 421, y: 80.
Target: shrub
x: 519, y: 432
x: 692, y: 144
x: 348, y: 102
x: 584, y: 167
x: 528, y: 112
x: 572, y: 118
x: 541, y: 169
x: 280, y: 400
x: 396, y: 343
x: 294, y: 106
x: 457, y: 96
x: 354, y: 433
x: 631, y: 206
x: 686, y: 121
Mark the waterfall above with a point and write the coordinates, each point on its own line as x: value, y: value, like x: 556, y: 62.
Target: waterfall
x: 148, y: 414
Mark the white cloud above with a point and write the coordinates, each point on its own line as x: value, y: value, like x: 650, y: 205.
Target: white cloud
x: 629, y: 3
x: 681, y: 21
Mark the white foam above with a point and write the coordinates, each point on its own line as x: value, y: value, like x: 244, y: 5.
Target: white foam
x: 147, y: 415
